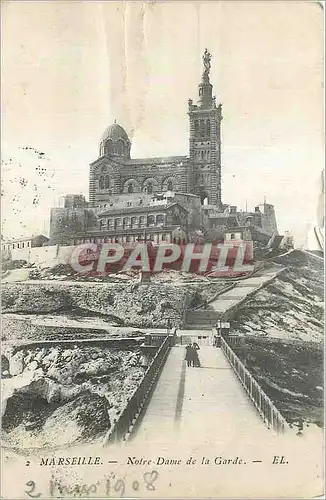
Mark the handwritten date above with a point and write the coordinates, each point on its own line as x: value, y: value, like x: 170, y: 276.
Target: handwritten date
x: 110, y: 487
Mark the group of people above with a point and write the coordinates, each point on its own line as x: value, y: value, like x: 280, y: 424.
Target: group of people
x: 192, y: 357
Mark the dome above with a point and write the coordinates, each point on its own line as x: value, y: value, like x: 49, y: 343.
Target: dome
x: 115, y: 132
x: 115, y: 141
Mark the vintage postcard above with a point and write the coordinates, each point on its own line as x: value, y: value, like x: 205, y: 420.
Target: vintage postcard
x: 162, y: 249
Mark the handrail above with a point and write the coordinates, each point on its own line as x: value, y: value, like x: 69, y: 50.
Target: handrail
x: 137, y: 402
x: 262, y: 402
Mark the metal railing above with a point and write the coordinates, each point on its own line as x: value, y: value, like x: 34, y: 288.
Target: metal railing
x: 263, y: 404
x: 235, y: 340
x: 127, y: 421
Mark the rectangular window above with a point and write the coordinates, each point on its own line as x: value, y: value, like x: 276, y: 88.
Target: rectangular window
x: 160, y: 220
x: 151, y: 220
x: 134, y: 221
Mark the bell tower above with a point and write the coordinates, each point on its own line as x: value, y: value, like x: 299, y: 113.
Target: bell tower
x: 205, y: 140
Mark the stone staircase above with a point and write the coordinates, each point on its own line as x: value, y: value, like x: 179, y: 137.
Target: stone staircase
x: 228, y: 301
x: 203, y: 319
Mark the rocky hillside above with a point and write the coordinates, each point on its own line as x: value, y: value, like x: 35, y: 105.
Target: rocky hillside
x: 291, y: 307
x: 283, y: 327
x: 56, y: 396
x: 151, y: 305
x: 129, y: 304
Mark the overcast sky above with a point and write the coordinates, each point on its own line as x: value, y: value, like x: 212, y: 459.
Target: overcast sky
x: 70, y: 68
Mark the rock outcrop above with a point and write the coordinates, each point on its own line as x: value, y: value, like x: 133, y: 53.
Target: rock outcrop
x: 55, y: 389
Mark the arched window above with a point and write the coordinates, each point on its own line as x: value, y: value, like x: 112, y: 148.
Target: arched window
x: 107, y: 182
x: 232, y: 237
x: 149, y: 188
x: 142, y: 220
x: 160, y: 219
x: 101, y: 183
x: 196, y: 127
x: 170, y: 186
x: 151, y: 220
x: 202, y: 128
x: 208, y: 128
x: 202, y: 155
x: 134, y: 221
x: 109, y: 147
x: 130, y: 188
x: 120, y: 147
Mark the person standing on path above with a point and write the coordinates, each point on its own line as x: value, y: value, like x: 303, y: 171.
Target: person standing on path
x: 190, y: 355
x: 196, y: 361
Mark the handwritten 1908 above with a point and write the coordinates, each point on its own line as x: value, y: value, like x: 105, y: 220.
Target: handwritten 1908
x: 110, y: 487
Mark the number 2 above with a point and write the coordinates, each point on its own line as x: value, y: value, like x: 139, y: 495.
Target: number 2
x: 31, y: 485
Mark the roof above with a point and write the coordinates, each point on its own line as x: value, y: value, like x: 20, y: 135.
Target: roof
x: 155, y: 160
x: 159, y: 160
x: 126, y: 231
x: 115, y: 132
x: 140, y: 209
x: 26, y: 238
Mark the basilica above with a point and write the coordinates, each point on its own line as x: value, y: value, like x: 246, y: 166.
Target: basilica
x: 162, y: 198
x: 115, y: 172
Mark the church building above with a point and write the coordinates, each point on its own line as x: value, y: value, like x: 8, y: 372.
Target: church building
x: 116, y: 173
x: 159, y: 199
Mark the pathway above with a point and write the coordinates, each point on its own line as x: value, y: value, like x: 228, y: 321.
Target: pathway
x: 200, y: 405
x: 243, y: 289
x: 217, y: 308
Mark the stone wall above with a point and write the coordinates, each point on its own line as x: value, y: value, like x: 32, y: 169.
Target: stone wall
x: 67, y: 221
x: 139, y: 173
x: 44, y: 256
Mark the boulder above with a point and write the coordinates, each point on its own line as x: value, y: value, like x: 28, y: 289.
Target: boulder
x: 16, y: 363
x: 32, y: 366
x: 51, y: 357
x: 95, y: 367
x: 86, y: 417
x: 40, y: 355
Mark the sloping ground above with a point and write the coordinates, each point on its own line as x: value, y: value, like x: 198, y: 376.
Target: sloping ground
x: 291, y: 307
x: 56, y: 396
x: 283, y: 324
x: 145, y: 305
x: 66, y: 272
x: 291, y: 373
